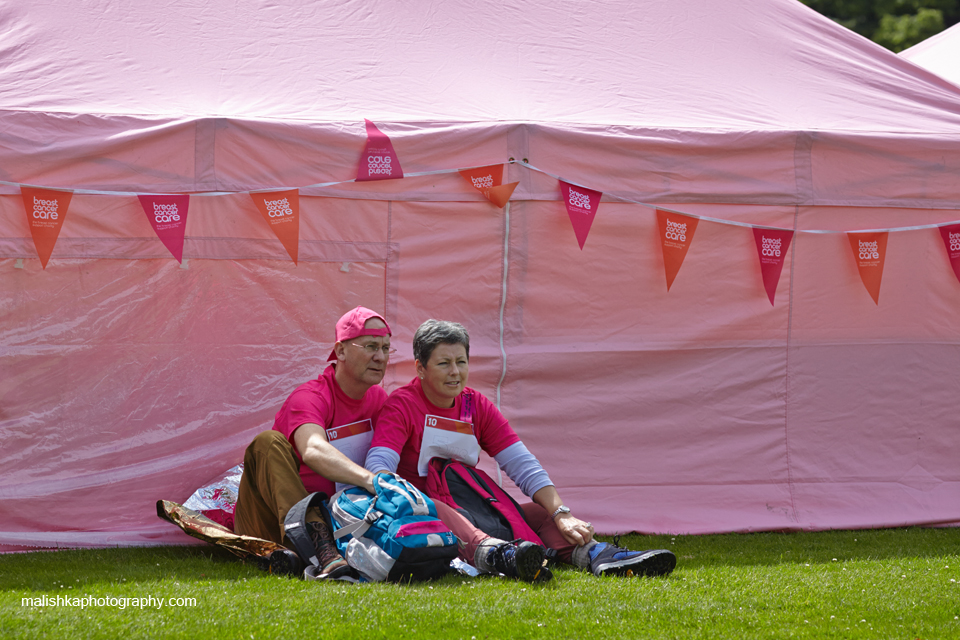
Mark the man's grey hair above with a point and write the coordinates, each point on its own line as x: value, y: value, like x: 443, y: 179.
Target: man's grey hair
x: 435, y: 332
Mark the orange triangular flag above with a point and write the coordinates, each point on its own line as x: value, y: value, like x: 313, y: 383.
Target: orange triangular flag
x: 870, y: 250
x: 500, y: 195
x: 676, y: 234
x: 489, y: 182
x: 46, y: 210
x: 281, y: 210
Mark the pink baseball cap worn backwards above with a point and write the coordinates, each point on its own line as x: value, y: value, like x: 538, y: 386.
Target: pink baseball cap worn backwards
x: 350, y: 325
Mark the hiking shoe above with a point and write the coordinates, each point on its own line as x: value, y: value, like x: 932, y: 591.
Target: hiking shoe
x: 610, y: 560
x: 332, y: 565
x: 520, y: 559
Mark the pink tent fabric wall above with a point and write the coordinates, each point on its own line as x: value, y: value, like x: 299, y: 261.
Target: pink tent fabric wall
x: 127, y: 377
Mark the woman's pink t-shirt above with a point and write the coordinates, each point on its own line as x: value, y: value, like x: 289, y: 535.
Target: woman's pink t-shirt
x: 400, y: 426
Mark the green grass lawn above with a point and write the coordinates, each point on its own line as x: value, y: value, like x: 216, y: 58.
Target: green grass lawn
x: 896, y: 583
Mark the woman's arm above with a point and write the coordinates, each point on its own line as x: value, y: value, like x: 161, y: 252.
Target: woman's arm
x: 574, y: 530
x: 382, y: 459
x: 529, y: 475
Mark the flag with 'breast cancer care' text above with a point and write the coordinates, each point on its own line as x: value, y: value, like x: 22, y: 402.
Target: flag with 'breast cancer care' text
x: 676, y: 234
x: 46, y: 210
x: 772, y: 245
x: 167, y: 215
x: 582, y: 205
x: 379, y: 161
x: 281, y: 210
x: 489, y: 182
x: 951, y: 240
x: 870, y: 250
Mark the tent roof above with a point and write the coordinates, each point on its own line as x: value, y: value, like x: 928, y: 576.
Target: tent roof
x: 939, y: 54
x: 695, y: 64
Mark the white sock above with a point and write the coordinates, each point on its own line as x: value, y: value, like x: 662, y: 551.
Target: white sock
x: 483, y: 550
x: 581, y: 555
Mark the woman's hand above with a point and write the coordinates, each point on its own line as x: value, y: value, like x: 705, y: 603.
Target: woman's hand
x: 573, y: 529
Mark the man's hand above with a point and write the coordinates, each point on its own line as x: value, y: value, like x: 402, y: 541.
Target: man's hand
x: 574, y: 530
x: 368, y: 483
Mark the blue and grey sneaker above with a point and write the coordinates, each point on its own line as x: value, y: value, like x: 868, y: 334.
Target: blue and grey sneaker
x: 610, y: 560
x: 520, y: 559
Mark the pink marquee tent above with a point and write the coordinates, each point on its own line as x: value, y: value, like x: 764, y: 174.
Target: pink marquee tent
x: 126, y: 377
x: 939, y: 54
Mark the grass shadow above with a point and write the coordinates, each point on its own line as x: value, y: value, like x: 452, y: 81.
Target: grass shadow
x: 45, y: 571
x: 773, y: 548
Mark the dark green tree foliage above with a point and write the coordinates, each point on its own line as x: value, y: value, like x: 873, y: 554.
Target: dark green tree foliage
x: 895, y: 24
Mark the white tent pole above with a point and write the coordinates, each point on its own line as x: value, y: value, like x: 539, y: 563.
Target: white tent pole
x: 503, y: 304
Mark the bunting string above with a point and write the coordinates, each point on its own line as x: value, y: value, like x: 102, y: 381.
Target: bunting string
x: 610, y: 196
x: 47, y: 207
x: 734, y: 223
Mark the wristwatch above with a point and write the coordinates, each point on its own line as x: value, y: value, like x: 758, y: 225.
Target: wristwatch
x: 561, y: 509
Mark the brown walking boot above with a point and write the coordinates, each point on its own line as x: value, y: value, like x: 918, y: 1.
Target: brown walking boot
x: 332, y: 565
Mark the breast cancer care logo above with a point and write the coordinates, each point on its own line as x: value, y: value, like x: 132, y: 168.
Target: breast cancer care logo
x: 951, y: 240
x: 45, y: 209
x: 488, y: 180
x: 676, y: 231
x: 278, y: 208
x: 869, y: 250
x: 281, y: 210
x: 379, y: 161
x: 582, y: 205
x: 954, y: 241
x: 580, y: 200
x: 482, y: 182
x: 380, y: 164
x: 165, y: 213
x: 770, y: 247
x: 676, y: 235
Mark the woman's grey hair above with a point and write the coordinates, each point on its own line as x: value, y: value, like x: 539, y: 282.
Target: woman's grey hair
x: 434, y: 332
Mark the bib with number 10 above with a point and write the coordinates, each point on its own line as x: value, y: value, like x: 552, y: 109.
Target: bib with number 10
x: 352, y: 440
x: 447, y: 438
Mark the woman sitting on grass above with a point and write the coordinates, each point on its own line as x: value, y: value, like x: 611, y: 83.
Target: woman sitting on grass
x: 442, y: 352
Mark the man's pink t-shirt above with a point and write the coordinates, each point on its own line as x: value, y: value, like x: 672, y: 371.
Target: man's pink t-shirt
x: 323, y: 402
x: 400, y: 426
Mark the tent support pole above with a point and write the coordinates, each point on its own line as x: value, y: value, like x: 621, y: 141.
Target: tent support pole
x: 503, y: 304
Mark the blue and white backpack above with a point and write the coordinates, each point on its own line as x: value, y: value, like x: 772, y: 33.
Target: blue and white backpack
x: 394, y: 535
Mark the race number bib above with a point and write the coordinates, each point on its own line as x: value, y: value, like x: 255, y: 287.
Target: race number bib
x: 352, y: 440
x: 447, y: 438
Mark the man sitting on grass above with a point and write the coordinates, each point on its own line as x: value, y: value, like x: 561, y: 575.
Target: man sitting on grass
x: 319, y: 436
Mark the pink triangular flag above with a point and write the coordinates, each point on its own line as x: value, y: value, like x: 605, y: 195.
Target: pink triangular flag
x: 772, y: 245
x: 379, y: 161
x: 168, y: 217
x: 582, y: 205
x: 951, y: 240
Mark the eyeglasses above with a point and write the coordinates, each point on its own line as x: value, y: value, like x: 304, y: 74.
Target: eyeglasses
x: 372, y: 347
